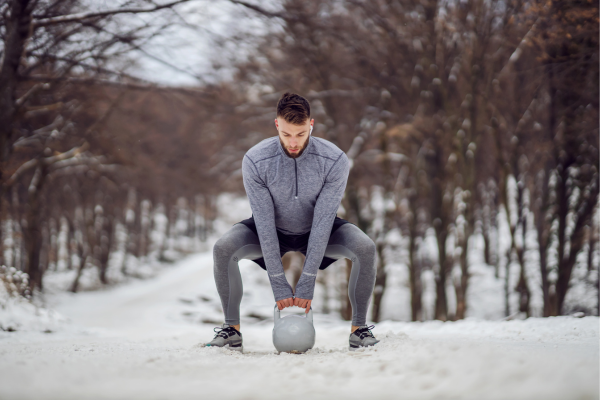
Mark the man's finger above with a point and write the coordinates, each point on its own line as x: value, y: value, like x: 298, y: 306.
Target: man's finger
x: 308, y: 303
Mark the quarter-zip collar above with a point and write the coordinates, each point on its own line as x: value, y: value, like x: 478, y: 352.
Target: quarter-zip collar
x: 295, y: 161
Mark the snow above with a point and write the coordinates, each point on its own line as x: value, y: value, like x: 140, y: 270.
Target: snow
x: 142, y: 340
x: 18, y: 314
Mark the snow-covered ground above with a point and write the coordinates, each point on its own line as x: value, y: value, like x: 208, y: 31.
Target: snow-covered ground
x: 142, y: 340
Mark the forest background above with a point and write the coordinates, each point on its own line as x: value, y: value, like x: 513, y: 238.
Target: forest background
x: 471, y: 126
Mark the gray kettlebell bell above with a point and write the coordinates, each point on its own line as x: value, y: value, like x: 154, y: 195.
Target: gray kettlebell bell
x: 293, y: 333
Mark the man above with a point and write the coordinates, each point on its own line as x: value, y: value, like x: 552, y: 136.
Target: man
x: 295, y: 183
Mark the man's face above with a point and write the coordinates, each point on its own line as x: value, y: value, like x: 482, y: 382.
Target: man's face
x: 293, y: 138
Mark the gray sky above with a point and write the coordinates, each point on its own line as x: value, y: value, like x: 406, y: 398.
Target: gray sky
x: 189, y: 42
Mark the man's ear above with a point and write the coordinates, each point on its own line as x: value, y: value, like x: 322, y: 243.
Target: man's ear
x: 276, y: 124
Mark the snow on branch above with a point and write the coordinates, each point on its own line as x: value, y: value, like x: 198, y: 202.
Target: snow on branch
x: 21, y: 100
x: 38, y: 162
x: 516, y: 54
x: 356, y: 146
x: 83, y: 162
x: 67, y: 154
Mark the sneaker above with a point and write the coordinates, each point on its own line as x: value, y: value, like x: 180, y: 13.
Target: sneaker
x: 227, y: 336
x: 362, y: 337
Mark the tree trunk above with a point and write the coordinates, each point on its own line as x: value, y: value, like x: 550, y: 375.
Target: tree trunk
x: 506, y: 283
x: 441, y: 304
x: 144, y: 228
x: 130, y: 234
x: 462, y: 286
x: 82, y: 246
x: 106, y: 242
x: 414, y: 271
x: 540, y: 207
x: 17, y: 30
x: 18, y: 23
x: 33, y: 232
x: 522, y: 286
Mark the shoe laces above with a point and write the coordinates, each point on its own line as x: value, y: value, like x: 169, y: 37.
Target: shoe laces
x: 365, y: 332
x: 225, y: 333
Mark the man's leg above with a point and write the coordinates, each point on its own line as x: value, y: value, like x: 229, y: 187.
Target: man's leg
x: 348, y: 241
x: 237, y: 243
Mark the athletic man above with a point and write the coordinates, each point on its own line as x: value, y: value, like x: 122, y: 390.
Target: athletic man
x: 295, y: 183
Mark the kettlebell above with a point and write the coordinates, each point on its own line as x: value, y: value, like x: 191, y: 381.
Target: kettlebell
x: 293, y: 333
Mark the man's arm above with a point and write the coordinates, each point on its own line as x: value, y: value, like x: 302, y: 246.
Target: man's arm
x: 325, y: 210
x: 264, y: 217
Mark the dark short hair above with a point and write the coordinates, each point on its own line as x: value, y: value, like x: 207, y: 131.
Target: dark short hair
x: 293, y: 108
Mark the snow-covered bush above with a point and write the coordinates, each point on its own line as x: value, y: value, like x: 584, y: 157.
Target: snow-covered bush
x: 14, y: 282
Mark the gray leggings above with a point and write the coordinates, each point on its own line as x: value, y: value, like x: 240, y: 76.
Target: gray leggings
x: 348, y: 241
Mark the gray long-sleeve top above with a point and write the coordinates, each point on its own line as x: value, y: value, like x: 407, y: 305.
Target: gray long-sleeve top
x: 294, y: 196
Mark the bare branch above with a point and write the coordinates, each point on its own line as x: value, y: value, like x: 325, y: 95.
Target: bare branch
x: 84, y: 16
x: 259, y: 9
x: 106, y: 82
x: 20, y: 171
x: 335, y: 93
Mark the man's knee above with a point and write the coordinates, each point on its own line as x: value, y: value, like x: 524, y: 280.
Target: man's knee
x: 368, y: 247
x: 366, y: 250
x: 223, y: 250
x: 363, y: 246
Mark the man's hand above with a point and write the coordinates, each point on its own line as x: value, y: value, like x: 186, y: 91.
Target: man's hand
x: 303, y: 304
x: 281, y: 304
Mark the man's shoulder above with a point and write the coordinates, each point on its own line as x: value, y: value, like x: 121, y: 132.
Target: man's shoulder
x: 263, y: 150
x: 324, y: 148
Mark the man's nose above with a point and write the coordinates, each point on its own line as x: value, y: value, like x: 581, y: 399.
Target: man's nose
x: 293, y: 142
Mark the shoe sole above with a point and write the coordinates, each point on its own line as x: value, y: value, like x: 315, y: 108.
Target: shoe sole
x: 239, y: 348
x: 354, y: 348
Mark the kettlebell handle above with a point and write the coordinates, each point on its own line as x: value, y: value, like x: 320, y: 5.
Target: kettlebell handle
x: 277, y: 314
x: 309, y: 316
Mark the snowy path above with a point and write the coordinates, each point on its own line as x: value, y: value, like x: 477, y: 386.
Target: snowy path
x: 133, y: 342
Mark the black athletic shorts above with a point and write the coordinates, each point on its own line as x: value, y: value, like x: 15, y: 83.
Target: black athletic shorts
x: 294, y: 242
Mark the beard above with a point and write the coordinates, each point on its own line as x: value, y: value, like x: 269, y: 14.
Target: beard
x: 297, y: 154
